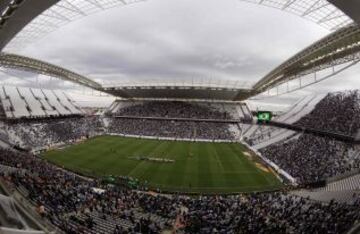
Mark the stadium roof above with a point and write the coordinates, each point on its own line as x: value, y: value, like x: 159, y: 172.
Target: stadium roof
x: 183, y: 90
x: 318, y: 11
x: 338, y: 48
x: 349, y: 7
x: 32, y: 20
x: 23, y: 21
x: 40, y: 67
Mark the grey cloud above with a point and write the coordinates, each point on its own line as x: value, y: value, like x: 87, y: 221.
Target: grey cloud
x: 173, y: 40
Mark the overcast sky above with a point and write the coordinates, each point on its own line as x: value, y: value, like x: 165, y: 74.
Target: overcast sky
x: 181, y: 40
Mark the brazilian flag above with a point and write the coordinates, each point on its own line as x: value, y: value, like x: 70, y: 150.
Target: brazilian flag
x: 264, y: 116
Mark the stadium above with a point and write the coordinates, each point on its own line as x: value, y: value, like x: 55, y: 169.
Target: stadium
x: 178, y: 154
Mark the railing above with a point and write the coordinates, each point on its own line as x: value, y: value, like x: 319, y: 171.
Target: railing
x: 28, y: 209
x: 355, y: 229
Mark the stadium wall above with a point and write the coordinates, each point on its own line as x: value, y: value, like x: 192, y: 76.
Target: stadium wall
x: 173, y: 138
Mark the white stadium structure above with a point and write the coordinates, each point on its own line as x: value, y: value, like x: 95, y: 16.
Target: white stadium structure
x: 33, y: 120
x: 25, y: 21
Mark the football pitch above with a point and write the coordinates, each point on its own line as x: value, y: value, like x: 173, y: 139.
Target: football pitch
x: 172, y: 166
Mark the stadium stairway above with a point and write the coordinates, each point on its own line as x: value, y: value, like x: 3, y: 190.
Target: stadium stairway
x: 153, y: 217
x: 341, y: 190
x: 105, y: 225
x: 6, y: 169
x: 350, y: 183
x: 4, y: 137
x: 2, y: 111
x: 327, y: 196
x: 7, y: 103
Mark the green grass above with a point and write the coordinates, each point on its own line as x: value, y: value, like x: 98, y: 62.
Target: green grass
x: 198, y: 167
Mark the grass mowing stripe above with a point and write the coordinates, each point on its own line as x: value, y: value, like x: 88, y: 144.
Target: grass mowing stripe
x: 108, y: 162
x: 178, y: 168
x: 105, y: 160
x: 222, y: 178
x: 160, y: 176
x: 190, y: 171
x: 153, y: 172
x: 79, y: 162
x: 205, y: 178
x: 138, y: 170
x: 236, y: 170
x: 198, y: 167
x: 241, y: 158
x: 215, y: 166
x: 271, y: 180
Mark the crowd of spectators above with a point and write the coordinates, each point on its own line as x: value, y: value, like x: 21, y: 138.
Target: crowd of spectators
x: 309, y: 158
x: 175, y: 129
x: 72, y: 204
x: 337, y: 112
x: 45, y: 132
x: 79, y: 205
x: 172, y: 109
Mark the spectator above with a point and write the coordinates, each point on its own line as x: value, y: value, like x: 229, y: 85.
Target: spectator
x: 71, y: 203
x: 175, y: 129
